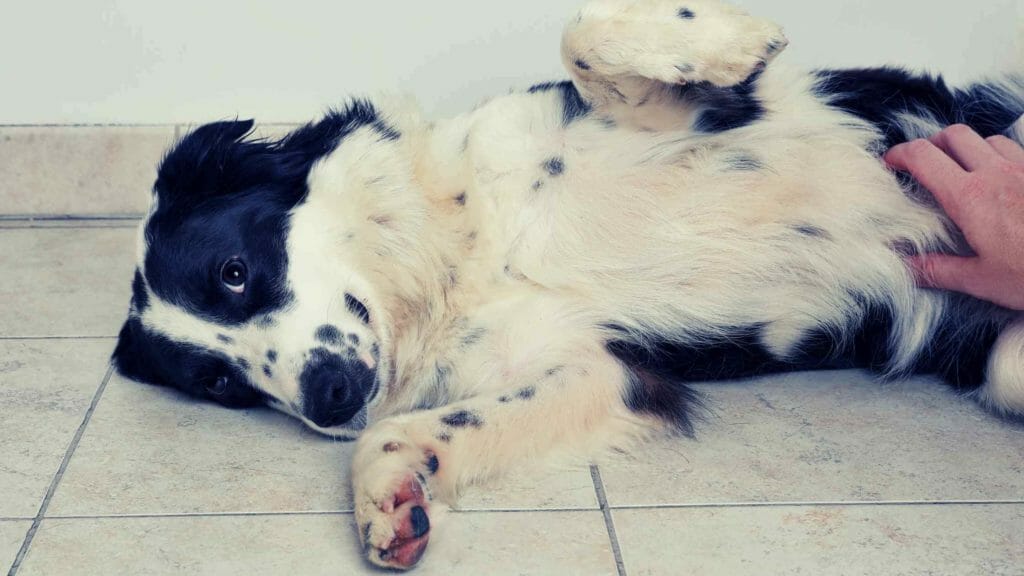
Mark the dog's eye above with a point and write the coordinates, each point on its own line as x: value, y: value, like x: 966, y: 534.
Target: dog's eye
x: 218, y: 386
x: 233, y: 274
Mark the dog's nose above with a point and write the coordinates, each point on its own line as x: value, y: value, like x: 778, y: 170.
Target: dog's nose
x: 333, y: 389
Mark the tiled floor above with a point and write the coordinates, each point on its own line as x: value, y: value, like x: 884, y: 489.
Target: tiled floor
x: 826, y: 473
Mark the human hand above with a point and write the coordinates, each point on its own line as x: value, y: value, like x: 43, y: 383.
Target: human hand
x: 980, y: 184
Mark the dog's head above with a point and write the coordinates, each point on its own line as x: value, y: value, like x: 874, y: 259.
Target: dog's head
x: 242, y: 294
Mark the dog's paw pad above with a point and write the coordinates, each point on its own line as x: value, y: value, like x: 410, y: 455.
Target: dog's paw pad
x: 397, y: 534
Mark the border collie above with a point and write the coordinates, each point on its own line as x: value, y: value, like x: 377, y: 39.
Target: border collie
x: 546, y: 273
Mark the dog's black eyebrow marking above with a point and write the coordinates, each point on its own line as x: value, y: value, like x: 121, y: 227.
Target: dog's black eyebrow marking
x: 461, y: 199
x: 555, y: 166
x: 526, y: 393
x: 272, y: 355
x: 242, y: 362
x: 225, y: 338
x: 811, y: 231
x: 744, y: 162
x: 686, y: 14
x: 357, y: 308
x: 462, y: 418
x: 433, y: 464
x: 267, y: 371
x: 328, y: 334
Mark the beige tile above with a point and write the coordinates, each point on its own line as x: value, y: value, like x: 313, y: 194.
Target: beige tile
x: 464, y: 544
x: 65, y: 282
x: 569, y: 488
x: 151, y: 451
x: 981, y: 540
x: 826, y: 437
x: 12, y: 533
x: 79, y: 170
x: 45, y: 390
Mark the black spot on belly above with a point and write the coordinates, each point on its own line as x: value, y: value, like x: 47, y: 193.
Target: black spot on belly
x: 686, y: 14
x: 744, y: 162
x: 526, y: 393
x: 267, y: 371
x: 225, y: 338
x: 811, y: 231
x: 462, y: 419
x: 272, y: 356
x: 328, y: 334
x: 555, y: 166
x: 461, y: 199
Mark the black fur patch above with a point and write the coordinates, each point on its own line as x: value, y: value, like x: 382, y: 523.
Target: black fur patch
x: 328, y: 334
x: 504, y: 399
x: 433, y: 463
x: 573, y: 105
x: 225, y: 338
x: 444, y: 437
x: 462, y: 419
x: 272, y: 356
x: 140, y: 298
x: 554, y: 166
x: 881, y: 95
x: 386, y: 131
x: 526, y: 393
x: 358, y: 308
x: 744, y: 162
x: 811, y: 231
x: 581, y: 64
x: 686, y: 14
x: 461, y: 199
x: 723, y: 109
x: 267, y: 371
x: 243, y: 363
x: 352, y: 339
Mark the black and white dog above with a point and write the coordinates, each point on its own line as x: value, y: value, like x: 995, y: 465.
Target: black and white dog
x: 546, y: 273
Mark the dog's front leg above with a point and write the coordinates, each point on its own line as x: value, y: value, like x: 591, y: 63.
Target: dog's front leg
x: 405, y: 464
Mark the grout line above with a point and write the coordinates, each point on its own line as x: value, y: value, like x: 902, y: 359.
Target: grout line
x: 609, y: 524
x: 15, y: 338
x: 27, y: 543
x: 836, y: 503
x: 68, y: 217
x: 236, y: 514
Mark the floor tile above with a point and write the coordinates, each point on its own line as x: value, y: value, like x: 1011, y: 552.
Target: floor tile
x: 79, y: 170
x: 12, y: 533
x: 45, y: 390
x: 152, y: 451
x: 65, y: 282
x: 827, y: 437
x: 953, y: 540
x: 149, y: 450
x: 467, y: 543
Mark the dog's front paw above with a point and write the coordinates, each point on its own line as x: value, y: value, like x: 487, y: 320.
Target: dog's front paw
x: 393, y: 498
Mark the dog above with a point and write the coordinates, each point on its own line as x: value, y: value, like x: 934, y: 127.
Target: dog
x: 546, y: 273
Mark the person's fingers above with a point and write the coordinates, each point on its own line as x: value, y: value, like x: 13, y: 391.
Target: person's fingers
x: 948, y: 273
x: 1007, y: 148
x: 935, y: 170
x: 965, y: 146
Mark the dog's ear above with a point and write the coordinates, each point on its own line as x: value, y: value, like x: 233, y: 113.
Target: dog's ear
x: 208, y: 161
x: 130, y: 357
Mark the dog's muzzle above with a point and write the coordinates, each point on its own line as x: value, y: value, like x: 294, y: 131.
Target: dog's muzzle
x: 334, y: 388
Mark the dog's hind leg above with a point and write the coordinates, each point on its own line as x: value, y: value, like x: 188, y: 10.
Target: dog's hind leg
x: 628, y: 52
x: 405, y: 464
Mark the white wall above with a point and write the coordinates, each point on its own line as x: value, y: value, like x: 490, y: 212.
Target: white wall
x: 145, y: 61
